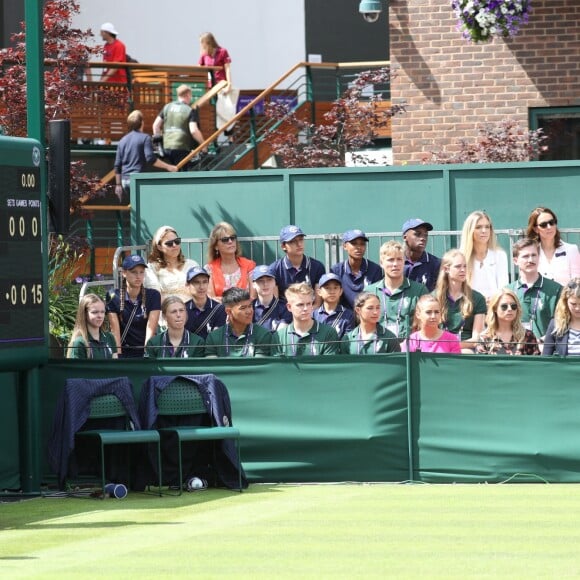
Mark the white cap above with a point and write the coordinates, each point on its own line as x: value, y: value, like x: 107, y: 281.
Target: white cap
x: 108, y: 27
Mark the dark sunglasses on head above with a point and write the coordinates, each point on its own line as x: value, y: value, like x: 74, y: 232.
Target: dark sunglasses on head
x: 173, y: 242
x: 511, y: 306
x: 544, y: 225
x: 227, y: 239
x: 572, y: 285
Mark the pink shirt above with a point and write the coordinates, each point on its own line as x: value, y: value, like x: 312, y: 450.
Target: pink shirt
x: 220, y: 58
x: 447, y: 342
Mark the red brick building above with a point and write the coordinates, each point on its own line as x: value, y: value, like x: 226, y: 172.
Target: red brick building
x: 450, y: 85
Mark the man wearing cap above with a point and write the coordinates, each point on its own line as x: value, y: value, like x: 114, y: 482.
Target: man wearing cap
x: 420, y: 266
x: 203, y: 313
x: 331, y: 312
x: 133, y: 311
x: 295, y: 267
x: 239, y: 337
x: 398, y: 295
x: 113, y: 51
x: 269, y: 311
x: 356, y: 271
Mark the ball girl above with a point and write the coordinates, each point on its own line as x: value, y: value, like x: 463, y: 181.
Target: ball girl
x: 133, y: 310
x: 88, y: 339
x: 428, y: 337
x: 369, y: 337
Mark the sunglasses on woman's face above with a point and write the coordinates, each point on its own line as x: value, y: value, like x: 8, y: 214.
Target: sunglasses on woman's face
x: 511, y: 306
x: 173, y: 242
x: 544, y: 225
x: 227, y: 239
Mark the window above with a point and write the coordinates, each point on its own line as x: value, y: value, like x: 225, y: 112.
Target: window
x: 562, y: 127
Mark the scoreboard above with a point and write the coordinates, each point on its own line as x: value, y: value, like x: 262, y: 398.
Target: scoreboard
x: 23, y: 255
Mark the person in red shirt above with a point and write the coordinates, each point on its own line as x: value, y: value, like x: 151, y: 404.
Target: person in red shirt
x: 113, y: 51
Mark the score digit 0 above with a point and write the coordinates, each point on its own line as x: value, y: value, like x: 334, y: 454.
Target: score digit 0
x: 13, y: 229
x: 35, y: 293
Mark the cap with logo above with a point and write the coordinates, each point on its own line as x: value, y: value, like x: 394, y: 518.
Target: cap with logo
x: 195, y: 272
x: 416, y: 223
x: 261, y: 271
x: 131, y: 261
x: 351, y: 235
x: 288, y: 233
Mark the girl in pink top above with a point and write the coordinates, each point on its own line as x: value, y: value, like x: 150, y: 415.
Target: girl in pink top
x: 428, y: 337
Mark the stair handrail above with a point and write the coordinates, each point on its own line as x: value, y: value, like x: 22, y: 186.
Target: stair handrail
x: 268, y: 91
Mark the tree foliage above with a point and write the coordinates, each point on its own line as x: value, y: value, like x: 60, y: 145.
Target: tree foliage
x: 503, y: 142
x: 351, y: 124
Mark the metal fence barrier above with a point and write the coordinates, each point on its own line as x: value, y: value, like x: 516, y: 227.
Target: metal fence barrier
x: 327, y: 248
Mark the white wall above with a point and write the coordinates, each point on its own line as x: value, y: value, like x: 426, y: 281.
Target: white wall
x: 264, y: 37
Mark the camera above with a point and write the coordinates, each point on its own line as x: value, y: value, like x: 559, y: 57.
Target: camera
x: 370, y: 10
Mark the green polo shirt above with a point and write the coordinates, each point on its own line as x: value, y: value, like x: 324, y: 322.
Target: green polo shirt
x: 455, y: 322
x: 320, y: 339
x: 398, y: 307
x: 159, y: 346
x: 255, y: 341
x: 538, y: 302
x: 104, y: 348
x: 384, y: 341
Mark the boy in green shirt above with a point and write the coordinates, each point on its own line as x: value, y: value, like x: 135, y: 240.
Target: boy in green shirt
x: 239, y: 337
x: 398, y: 295
x: 304, y: 335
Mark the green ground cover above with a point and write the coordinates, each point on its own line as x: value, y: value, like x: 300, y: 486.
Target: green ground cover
x: 309, y: 531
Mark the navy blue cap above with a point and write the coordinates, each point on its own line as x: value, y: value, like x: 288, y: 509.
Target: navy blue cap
x: 351, y: 235
x: 288, y: 233
x: 416, y: 223
x: 328, y: 278
x: 195, y: 272
x: 131, y: 261
x: 261, y: 271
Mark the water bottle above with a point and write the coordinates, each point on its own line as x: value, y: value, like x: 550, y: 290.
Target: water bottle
x: 196, y: 484
x: 116, y: 490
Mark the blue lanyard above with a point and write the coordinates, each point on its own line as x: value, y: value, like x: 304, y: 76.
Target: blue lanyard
x: 400, y: 306
x: 246, y: 347
x: 173, y: 352
x: 294, y: 343
x: 361, y: 342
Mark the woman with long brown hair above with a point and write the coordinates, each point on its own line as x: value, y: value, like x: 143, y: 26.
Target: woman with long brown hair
x: 563, y: 335
x: 559, y: 260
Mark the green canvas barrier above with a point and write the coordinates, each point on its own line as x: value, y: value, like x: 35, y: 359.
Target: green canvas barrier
x: 312, y: 419
x: 490, y: 419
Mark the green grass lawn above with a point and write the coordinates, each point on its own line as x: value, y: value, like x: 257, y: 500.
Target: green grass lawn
x: 310, y: 531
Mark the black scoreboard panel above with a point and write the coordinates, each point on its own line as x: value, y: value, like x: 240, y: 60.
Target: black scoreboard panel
x: 23, y: 291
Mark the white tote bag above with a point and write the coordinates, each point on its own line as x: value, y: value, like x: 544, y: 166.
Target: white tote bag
x: 226, y: 107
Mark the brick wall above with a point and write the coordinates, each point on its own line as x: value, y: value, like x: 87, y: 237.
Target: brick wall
x: 451, y: 85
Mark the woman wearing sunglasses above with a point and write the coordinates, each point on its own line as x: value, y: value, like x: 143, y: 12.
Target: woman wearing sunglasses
x: 226, y: 265
x: 168, y: 266
x: 559, y: 260
x: 563, y: 334
x: 504, y: 333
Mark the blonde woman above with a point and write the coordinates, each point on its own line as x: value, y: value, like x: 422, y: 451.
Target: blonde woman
x: 462, y: 308
x: 226, y: 265
x: 487, y: 263
x: 559, y: 260
x: 88, y: 339
x: 168, y: 267
x: 563, y: 334
x: 505, y: 333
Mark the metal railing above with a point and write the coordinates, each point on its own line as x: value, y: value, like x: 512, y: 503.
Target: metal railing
x: 328, y: 248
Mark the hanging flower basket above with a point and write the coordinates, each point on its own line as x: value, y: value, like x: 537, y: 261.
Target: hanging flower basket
x: 481, y: 20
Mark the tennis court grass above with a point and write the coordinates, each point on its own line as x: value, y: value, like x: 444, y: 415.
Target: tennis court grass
x: 310, y: 531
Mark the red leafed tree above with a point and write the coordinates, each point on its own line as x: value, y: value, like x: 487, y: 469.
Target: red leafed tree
x: 502, y: 142
x: 349, y: 125
x: 66, y: 49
